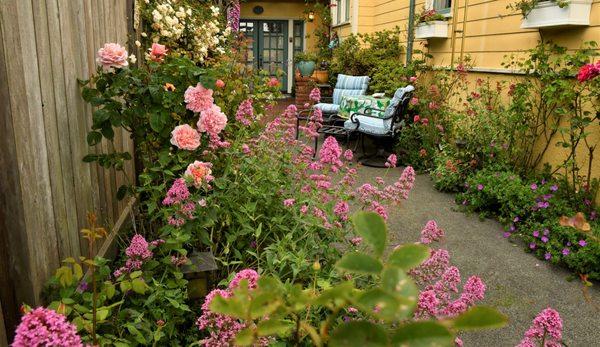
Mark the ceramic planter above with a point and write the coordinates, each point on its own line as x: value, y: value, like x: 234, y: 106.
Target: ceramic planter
x: 547, y: 14
x: 431, y: 30
x: 321, y: 76
x: 306, y: 68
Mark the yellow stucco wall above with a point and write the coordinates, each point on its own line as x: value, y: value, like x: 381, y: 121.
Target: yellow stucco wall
x: 283, y: 10
x: 491, y: 32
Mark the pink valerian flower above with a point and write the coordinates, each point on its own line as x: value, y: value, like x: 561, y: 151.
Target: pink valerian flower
x: 245, y: 112
x: 391, y: 161
x: 185, y: 137
x: 212, y: 120
x: 246, y: 149
x: 112, y: 56
x: 431, y: 233
x: 379, y: 209
x: 198, y: 98
x: 588, y: 71
x: 137, y: 253
x: 341, y: 210
x: 289, y: 202
x: 290, y: 111
x: 315, y: 95
x: 356, y: 241
x: 179, y: 260
x: 157, y: 52
x: 348, y: 155
x: 406, y: 182
x: 247, y: 274
x: 46, y: 327
x: 432, y: 268
x: 427, y: 305
x: 473, y: 291
x: 199, y: 172
x: 547, y: 326
x: 330, y: 153
x: 177, y: 193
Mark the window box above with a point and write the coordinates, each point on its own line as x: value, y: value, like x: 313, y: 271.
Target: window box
x: 430, y: 30
x: 548, y: 14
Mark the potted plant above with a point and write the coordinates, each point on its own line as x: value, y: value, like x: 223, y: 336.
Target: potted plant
x: 553, y: 13
x: 321, y: 74
x: 306, y: 63
x: 431, y: 24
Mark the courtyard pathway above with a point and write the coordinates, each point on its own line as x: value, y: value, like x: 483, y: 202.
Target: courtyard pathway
x: 518, y: 284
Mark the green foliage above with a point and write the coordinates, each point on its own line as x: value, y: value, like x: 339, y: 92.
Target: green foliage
x: 526, y: 6
x: 387, y: 304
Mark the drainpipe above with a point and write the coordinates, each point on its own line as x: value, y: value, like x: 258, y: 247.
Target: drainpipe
x: 411, y: 31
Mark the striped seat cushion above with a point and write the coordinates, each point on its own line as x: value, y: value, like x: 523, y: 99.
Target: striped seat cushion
x: 328, y: 108
x: 350, y: 85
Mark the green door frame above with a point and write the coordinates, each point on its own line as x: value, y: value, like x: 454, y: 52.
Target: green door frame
x: 269, y: 48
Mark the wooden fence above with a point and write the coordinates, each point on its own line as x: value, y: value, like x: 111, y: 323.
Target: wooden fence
x: 46, y: 190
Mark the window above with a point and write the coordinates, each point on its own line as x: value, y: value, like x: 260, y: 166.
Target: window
x: 442, y: 6
x: 298, y: 36
x: 340, y: 12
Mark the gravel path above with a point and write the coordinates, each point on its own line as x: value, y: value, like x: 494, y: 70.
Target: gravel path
x: 518, y: 284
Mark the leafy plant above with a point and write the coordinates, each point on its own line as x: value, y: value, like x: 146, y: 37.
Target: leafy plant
x: 526, y: 6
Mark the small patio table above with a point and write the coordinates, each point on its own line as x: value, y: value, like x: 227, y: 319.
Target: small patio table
x: 359, y: 103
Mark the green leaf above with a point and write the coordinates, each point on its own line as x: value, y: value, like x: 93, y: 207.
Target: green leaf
x: 359, y: 263
x: 379, y: 303
x: 100, y: 116
x: 273, y: 327
x: 423, y: 334
x: 371, y: 227
x: 138, y: 285
x: 244, y: 337
x: 94, y: 138
x: 359, y: 333
x: 480, y: 317
x: 90, y: 158
x: 408, y: 256
x: 230, y: 307
x: 263, y: 305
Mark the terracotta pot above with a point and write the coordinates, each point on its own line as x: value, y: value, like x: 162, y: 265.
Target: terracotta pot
x: 321, y: 76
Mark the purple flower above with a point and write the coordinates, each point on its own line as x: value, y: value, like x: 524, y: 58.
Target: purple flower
x: 512, y: 228
x: 547, y: 196
x: 516, y: 219
x: 532, y: 245
x: 480, y: 187
x: 82, y: 287
x: 506, y: 234
x: 547, y: 256
x: 543, y: 181
x: 582, y: 243
x: 536, y: 233
x: 587, y: 202
x: 544, y: 239
x: 566, y: 251
x: 534, y: 186
x: 593, y: 215
x: 543, y: 204
x: 546, y: 231
x: 554, y: 188
x: 569, y: 244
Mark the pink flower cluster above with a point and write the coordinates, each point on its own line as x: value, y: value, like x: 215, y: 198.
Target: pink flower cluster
x: 112, y: 56
x: 185, y: 137
x: 245, y: 112
x: 391, y: 161
x: 233, y: 15
x: 223, y: 329
x: 198, y: 98
x: 177, y: 193
x: 588, y: 71
x: 547, y: 327
x: 315, y: 95
x: 330, y: 154
x: 431, y: 233
x: 45, y: 327
x: 290, y: 111
x: 137, y: 253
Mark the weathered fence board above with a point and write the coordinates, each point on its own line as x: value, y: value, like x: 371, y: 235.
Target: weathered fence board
x: 46, y: 190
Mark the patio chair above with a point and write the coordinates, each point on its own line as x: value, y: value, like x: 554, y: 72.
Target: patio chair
x: 381, y: 129
x: 345, y: 85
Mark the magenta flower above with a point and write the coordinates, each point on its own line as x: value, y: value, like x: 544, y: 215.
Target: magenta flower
x: 289, y: 202
x: 547, y: 256
x: 588, y: 71
x: 547, y: 327
x: 582, y: 243
x: 247, y: 274
x: 431, y: 233
x: 554, y: 188
x: 480, y: 187
x: 348, y: 155
x: 315, y: 95
x: 45, y: 327
x: 391, y: 161
x: 566, y: 251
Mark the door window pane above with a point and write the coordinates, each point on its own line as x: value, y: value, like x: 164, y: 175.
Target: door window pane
x: 442, y: 6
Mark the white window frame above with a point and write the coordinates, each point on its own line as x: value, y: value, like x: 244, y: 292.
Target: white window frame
x: 447, y: 12
x: 340, y: 14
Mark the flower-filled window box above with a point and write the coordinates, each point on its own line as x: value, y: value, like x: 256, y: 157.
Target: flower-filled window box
x: 552, y: 13
x: 433, y: 29
x: 431, y: 24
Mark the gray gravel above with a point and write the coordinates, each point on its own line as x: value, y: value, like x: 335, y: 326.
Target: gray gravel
x: 518, y: 284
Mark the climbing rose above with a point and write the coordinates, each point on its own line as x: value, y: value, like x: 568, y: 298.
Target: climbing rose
x: 198, y: 98
x: 112, y: 55
x: 157, y: 52
x: 212, y: 121
x: 185, y: 137
x: 547, y: 327
x: 199, y: 172
x: 588, y: 71
x: 44, y: 327
x: 315, y: 95
x: 273, y: 82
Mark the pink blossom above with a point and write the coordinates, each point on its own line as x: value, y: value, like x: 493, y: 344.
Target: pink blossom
x: 273, y: 82
x: 547, y: 326
x: 431, y: 233
x: 46, y: 327
x: 588, y: 71
x: 315, y: 95
x: 289, y: 202
x: 198, y: 98
x: 137, y: 253
x: 247, y: 274
x: 414, y: 101
x: 199, y: 172
x: 177, y: 193
x: 212, y: 120
x: 330, y: 152
x: 473, y: 290
x: 391, y: 161
x: 185, y: 137
x: 112, y: 56
x: 245, y: 149
x: 220, y: 84
x: 245, y: 112
x: 356, y: 241
x: 157, y: 52
x: 341, y: 210
x: 290, y: 111
x: 427, y: 305
x: 348, y: 155
x: 412, y: 79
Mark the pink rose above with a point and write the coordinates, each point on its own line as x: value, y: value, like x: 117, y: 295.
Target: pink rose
x: 199, y: 172
x: 414, y: 101
x: 185, y: 137
x: 198, y: 98
x: 112, y: 55
x: 212, y: 120
x: 273, y: 82
x: 157, y: 52
x: 220, y: 84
